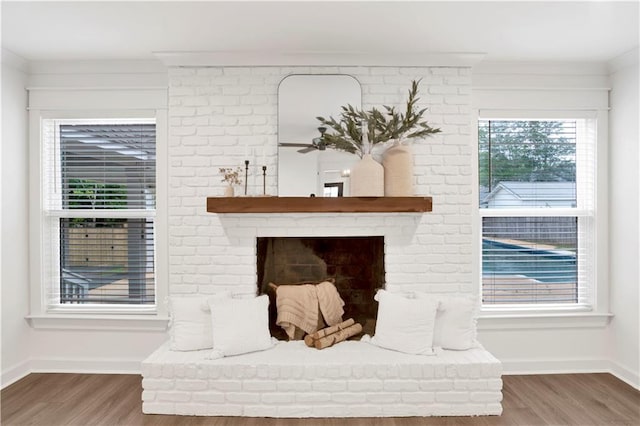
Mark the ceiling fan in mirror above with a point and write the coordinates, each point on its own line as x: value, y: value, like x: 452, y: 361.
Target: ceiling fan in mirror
x: 316, y: 143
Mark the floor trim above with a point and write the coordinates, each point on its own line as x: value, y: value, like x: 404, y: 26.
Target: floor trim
x: 132, y: 366
x: 571, y: 366
x: 625, y: 374
x: 14, y: 373
x: 76, y: 366
x: 97, y: 366
x: 554, y: 366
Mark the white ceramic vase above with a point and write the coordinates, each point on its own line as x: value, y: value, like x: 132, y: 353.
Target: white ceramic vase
x: 228, y: 191
x: 398, y: 171
x: 367, y: 178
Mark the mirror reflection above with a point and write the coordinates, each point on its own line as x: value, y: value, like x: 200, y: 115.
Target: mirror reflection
x: 305, y: 166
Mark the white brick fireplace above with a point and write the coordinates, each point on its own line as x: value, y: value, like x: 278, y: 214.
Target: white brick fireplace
x: 216, y: 115
x: 216, y: 112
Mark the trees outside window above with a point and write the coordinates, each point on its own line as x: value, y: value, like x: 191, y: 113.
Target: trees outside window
x: 101, y: 206
x: 534, y: 183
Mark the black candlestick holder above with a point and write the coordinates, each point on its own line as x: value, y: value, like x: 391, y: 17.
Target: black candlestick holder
x: 264, y: 180
x: 246, y: 175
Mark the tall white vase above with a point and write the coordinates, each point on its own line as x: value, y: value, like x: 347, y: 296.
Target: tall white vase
x: 367, y: 178
x: 398, y: 171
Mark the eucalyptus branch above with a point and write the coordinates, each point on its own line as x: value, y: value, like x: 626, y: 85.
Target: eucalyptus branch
x: 382, y: 126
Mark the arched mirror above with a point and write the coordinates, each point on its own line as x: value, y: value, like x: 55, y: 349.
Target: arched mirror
x: 305, y: 166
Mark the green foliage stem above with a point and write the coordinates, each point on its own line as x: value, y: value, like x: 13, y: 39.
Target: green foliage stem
x: 391, y: 125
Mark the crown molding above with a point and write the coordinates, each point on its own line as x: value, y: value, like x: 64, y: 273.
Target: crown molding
x: 306, y: 58
x: 541, y: 68
x: 14, y: 60
x: 98, y: 67
x: 628, y: 58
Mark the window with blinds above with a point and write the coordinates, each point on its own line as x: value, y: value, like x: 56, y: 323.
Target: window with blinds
x: 536, y: 188
x: 99, y: 180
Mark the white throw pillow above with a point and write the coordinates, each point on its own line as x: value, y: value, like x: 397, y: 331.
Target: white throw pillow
x: 404, y: 324
x: 240, y: 325
x: 190, y: 324
x: 455, y: 324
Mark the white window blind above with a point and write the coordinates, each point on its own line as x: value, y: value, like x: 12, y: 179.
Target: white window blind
x: 536, y: 188
x: 99, y: 181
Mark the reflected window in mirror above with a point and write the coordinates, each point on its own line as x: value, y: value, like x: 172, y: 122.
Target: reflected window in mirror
x: 304, y: 164
x: 333, y: 189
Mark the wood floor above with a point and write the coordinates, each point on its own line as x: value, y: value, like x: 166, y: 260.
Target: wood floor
x: 95, y: 399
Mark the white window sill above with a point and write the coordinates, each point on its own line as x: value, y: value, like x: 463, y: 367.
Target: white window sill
x: 98, y: 322
x: 537, y: 320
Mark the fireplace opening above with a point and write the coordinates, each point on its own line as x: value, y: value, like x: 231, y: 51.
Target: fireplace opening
x: 355, y: 263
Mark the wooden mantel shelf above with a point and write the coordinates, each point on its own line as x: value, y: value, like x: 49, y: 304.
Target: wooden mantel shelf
x: 318, y: 204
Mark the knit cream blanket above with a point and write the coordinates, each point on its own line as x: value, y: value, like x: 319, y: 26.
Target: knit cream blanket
x: 301, y: 306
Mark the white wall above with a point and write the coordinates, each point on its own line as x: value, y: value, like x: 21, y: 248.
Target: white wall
x: 529, y: 342
x: 79, y: 344
x: 624, y: 218
x: 432, y: 252
x: 215, y: 111
x: 14, y: 229
x: 210, y: 252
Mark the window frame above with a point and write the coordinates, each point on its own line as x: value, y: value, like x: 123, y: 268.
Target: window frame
x: 43, y: 315
x: 580, y: 212
x: 54, y: 212
x: 550, y: 315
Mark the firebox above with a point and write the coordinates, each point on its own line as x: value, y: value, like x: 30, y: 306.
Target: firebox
x: 355, y: 263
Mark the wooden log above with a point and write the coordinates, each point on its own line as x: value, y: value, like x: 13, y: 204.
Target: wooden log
x: 310, y: 339
x: 338, y: 336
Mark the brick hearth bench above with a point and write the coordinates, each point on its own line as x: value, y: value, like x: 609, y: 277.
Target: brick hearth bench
x: 350, y: 379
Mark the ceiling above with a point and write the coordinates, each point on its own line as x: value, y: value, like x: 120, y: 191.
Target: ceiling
x: 504, y: 31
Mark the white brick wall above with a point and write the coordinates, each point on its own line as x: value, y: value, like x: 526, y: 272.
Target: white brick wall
x: 347, y: 380
x: 215, y: 112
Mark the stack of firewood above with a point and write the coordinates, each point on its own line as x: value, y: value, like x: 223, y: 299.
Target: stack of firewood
x: 331, y: 335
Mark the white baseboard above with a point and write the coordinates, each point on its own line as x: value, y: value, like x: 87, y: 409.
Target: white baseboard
x: 14, y: 373
x: 555, y: 366
x: 66, y: 365
x: 571, y: 366
x: 133, y: 366
x: 80, y: 366
x: 626, y: 375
